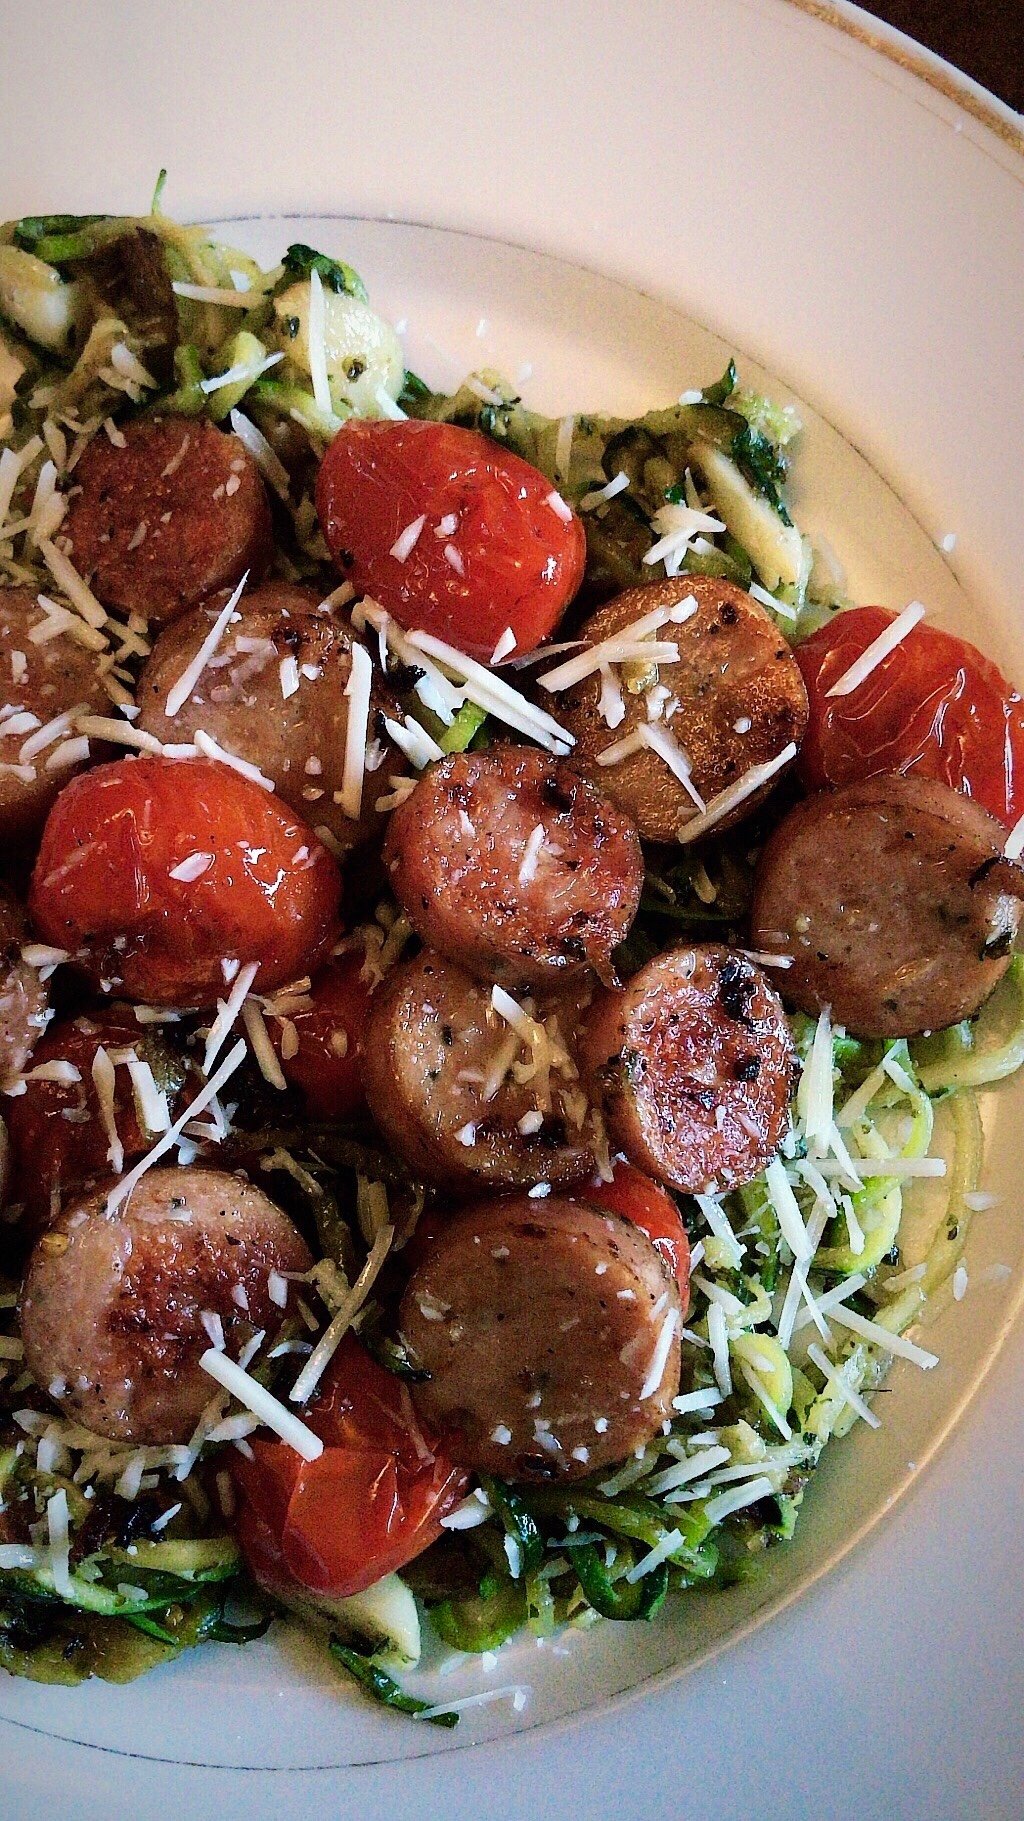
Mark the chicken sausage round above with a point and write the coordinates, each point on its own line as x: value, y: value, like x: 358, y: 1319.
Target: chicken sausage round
x: 41, y: 682
x: 550, y: 1334
x: 733, y: 699
x: 442, y: 1068
x: 23, y: 996
x: 894, y: 901
x: 693, y: 1063
x: 112, y: 1305
x: 273, y: 693
x: 161, y: 522
x: 515, y: 866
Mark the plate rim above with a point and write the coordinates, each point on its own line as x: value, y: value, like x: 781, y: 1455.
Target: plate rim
x: 918, y: 60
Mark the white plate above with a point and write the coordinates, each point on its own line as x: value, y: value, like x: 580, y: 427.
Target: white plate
x: 808, y: 200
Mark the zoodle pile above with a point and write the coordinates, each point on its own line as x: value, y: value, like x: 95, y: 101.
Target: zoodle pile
x: 497, y: 959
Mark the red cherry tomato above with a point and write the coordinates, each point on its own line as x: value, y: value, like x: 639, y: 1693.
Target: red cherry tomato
x: 52, y: 1145
x: 492, y: 551
x: 103, y: 882
x: 372, y: 1501
x: 639, y: 1199
x: 935, y: 706
x: 327, y: 1066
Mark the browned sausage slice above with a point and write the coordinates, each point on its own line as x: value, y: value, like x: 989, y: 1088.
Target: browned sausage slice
x: 177, y: 513
x: 23, y: 997
x: 693, y: 1062
x: 440, y: 1070
x: 550, y: 1332
x: 893, y: 900
x: 39, y: 683
x: 273, y: 693
x: 112, y: 1324
x: 515, y: 866
x: 734, y: 700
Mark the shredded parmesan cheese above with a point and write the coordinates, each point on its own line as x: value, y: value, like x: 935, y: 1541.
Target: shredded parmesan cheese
x: 331, y: 1339
x: 262, y: 1048
x: 267, y: 461
x: 729, y: 799
x: 123, y: 1189
x: 836, y: 1380
x: 227, y: 1012
x: 406, y: 542
x: 60, y: 1547
x: 879, y: 649
x: 631, y: 639
x: 357, y: 693
x: 183, y: 688
x: 263, y: 1405
x: 210, y: 749
x: 783, y: 1200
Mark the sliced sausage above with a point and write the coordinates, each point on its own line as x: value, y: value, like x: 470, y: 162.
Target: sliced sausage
x: 693, y: 1064
x: 175, y: 514
x: 278, y: 644
x: 734, y: 699
x: 550, y: 1333
x: 515, y: 866
x: 59, y: 1133
x: 894, y: 901
x: 112, y: 1319
x: 23, y: 996
x: 38, y: 684
x: 440, y: 1070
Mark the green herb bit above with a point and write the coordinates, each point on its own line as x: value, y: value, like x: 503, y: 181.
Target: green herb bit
x: 384, y: 1688
x: 722, y: 388
x: 300, y: 261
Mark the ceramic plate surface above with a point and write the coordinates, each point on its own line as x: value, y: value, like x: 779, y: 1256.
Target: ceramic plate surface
x: 593, y: 192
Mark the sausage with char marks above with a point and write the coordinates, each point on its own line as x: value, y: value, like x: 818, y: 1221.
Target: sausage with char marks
x: 112, y: 1304
x: 693, y: 1063
x: 514, y: 866
x: 734, y: 699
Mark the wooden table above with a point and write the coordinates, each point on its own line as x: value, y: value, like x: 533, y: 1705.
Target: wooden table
x: 983, y: 37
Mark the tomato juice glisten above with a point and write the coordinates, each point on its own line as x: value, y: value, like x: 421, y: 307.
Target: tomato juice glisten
x: 486, y: 930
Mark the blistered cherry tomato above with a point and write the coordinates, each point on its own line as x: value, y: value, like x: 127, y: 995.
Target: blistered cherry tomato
x: 492, y: 551
x: 935, y: 706
x: 156, y: 872
x: 639, y: 1199
x: 57, y: 1132
x: 372, y: 1501
x: 327, y: 1066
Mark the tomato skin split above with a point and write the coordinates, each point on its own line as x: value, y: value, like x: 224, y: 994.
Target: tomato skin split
x: 492, y: 552
x: 371, y: 1502
x: 935, y: 706
x: 102, y: 885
